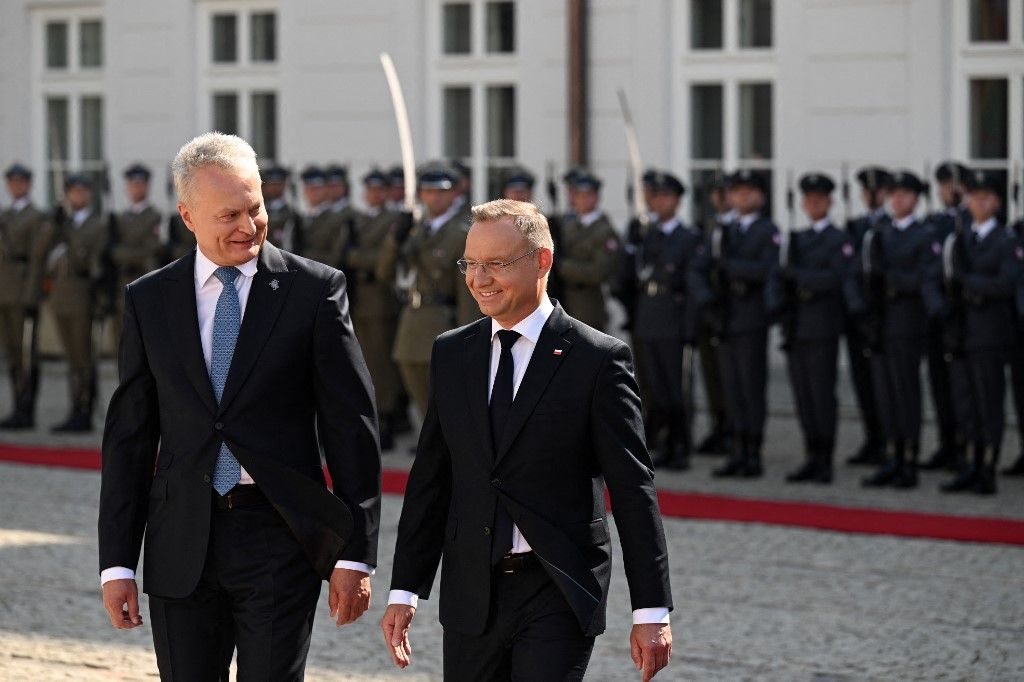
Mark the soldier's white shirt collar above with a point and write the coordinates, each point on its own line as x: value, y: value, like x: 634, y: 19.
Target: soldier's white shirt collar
x: 436, y: 223
x: 139, y: 207
x: 314, y: 211
x: 530, y: 326
x: 20, y: 203
x: 904, y: 222
x: 668, y: 227
x: 983, y: 229
x: 821, y: 225
x: 373, y: 211
x: 80, y: 216
x: 589, y: 219
x: 726, y: 217
x: 276, y: 205
x: 205, y: 268
x: 748, y: 219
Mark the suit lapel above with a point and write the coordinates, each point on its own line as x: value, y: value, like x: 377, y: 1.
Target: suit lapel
x: 179, y: 292
x: 267, y: 295
x: 477, y: 366
x: 543, y: 364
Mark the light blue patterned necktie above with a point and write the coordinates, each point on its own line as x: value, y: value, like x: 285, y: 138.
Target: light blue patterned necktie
x: 226, y: 321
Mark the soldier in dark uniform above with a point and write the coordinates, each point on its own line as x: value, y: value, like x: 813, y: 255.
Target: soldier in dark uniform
x: 1016, y: 232
x: 437, y: 298
x: 665, y: 320
x: 748, y: 256
x: 25, y: 237
x: 590, y: 251
x: 952, y: 217
x: 807, y: 293
x: 75, y: 264
x: 873, y: 183
x: 987, y: 271
x: 284, y: 224
x: 907, y: 261
x: 136, y: 250
x: 375, y: 306
x: 324, y: 231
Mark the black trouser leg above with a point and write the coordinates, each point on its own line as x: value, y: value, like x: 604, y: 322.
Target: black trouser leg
x: 860, y: 375
x: 941, y: 391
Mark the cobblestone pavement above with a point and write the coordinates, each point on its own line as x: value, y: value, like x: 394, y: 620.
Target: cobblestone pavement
x: 752, y: 603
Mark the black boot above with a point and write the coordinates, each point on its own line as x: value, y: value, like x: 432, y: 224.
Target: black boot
x: 888, y: 471
x: 968, y: 475
x: 823, y: 472
x: 870, y: 453
x: 679, y: 437
x: 82, y: 391
x: 1017, y: 468
x: 752, y: 466
x: 734, y: 464
x: 16, y: 420
x: 986, y: 481
x: 906, y: 477
x: 806, y: 471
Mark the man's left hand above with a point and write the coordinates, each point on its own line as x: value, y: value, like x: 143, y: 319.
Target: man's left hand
x: 349, y: 595
x: 651, y: 647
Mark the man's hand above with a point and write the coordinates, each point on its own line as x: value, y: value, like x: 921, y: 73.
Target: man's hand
x: 121, y: 600
x: 395, y: 625
x: 651, y: 647
x: 349, y: 595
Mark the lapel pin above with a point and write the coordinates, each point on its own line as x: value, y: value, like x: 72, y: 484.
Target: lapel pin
x: 557, y: 351
x: 274, y: 284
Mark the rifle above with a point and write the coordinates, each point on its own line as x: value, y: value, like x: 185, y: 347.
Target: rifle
x: 787, y: 307
x: 552, y: 187
x: 717, y: 317
x: 845, y: 184
x: 874, y: 289
x: 954, y: 258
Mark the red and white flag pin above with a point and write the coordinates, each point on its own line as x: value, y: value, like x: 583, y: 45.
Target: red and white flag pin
x: 557, y: 351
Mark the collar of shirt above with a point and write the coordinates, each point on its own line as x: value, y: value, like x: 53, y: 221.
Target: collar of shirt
x: 589, y: 219
x: 276, y: 205
x: 20, y: 204
x: 530, y: 326
x: 748, y: 219
x: 206, y: 267
x: 726, y: 217
x: 821, y: 225
x: 904, y: 222
x: 983, y: 229
x: 340, y: 204
x: 373, y: 211
x: 139, y: 207
x: 80, y: 216
x: 436, y: 223
x: 669, y: 226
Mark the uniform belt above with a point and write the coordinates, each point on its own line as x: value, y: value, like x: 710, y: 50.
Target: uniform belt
x: 240, y: 497
x: 652, y: 288
x: 515, y: 563
x: 416, y: 300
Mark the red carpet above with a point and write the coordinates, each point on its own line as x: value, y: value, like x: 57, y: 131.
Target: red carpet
x: 697, y: 506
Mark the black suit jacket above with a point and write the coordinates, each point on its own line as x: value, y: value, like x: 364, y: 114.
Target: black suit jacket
x: 297, y: 377
x: 575, y: 426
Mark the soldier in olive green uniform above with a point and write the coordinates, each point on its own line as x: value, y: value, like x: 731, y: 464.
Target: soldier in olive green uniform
x: 75, y: 264
x: 283, y: 222
x: 375, y: 305
x: 25, y: 236
x: 437, y: 298
x: 325, y: 232
x: 590, y: 253
x: 338, y: 195
x: 137, y: 247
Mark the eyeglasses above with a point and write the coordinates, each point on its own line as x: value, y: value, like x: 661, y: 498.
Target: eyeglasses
x: 472, y: 267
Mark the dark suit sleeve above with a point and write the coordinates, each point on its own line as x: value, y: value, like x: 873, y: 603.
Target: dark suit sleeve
x: 347, y: 420
x: 130, y: 440
x: 626, y: 465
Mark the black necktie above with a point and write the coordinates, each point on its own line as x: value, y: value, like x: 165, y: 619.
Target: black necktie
x: 501, y: 405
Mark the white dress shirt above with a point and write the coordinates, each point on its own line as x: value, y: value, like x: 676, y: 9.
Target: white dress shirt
x: 20, y: 204
x: 588, y: 219
x: 529, y: 329
x: 982, y: 230
x: 669, y: 226
x: 904, y: 222
x: 748, y: 219
x: 821, y: 225
x: 208, y: 289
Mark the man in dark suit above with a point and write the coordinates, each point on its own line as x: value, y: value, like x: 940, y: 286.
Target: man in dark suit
x: 512, y: 495
x: 238, y: 363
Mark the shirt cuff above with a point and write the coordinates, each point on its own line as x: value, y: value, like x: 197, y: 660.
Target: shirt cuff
x: 403, y: 597
x: 116, y: 573
x: 655, y: 615
x: 356, y: 566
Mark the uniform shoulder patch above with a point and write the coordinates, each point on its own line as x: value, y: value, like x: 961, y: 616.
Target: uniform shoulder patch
x: 612, y: 244
x: 777, y: 238
x: 937, y: 248
x: 848, y: 249
x: 1020, y: 252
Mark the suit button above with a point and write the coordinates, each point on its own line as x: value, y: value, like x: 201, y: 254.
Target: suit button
x: 206, y: 478
x: 496, y: 482
x: 487, y: 530
x: 219, y: 426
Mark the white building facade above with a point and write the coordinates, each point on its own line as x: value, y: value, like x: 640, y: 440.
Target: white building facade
x: 783, y: 85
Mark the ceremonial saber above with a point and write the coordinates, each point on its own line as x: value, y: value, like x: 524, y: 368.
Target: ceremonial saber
x: 635, y: 163
x: 404, y: 133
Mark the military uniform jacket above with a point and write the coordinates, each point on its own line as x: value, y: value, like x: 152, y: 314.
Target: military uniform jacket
x: 284, y: 221
x: 588, y: 259
x: 992, y: 268
x: 25, y: 238
x: 911, y: 268
x: 138, y: 243
x: 76, y: 264
x: 375, y: 297
x: 324, y: 238
x: 944, y: 223
x: 438, y: 299
x: 664, y: 308
x: 180, y: 240
x: 750, y: 259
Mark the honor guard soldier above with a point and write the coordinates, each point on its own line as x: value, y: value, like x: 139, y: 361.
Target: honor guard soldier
x: 987, y: 268
x: 953, y: 217
x: 375, y: 306
x: 338, y: 194
x: 906, y: 258
x: 284, y: 225
x: 665, y: 320
x: 746, y: 259
x: 437, y: 298
x: 25, y: 238
x: 807, y: 293
x: 325, y: 231
x: 75, y: 265
x: 873, y: 182
x: 463, y: 188
x: 396, y: 189
x: 136, y: 250
x: 1016, y: 232
x: 590, y: 253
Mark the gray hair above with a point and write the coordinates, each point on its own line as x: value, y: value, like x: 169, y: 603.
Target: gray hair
x: 525, y: 216
x: 229, y: 152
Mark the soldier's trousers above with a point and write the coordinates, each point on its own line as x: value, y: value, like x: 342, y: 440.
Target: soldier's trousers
x: 743, y: 361
x: 897, y: 377
x: 986, y: 368
x: 416, y: 378
x: 75, y: 333
x: 863, y: 384
x: 23, y: 379
x: 939, y: 383
x: 712, y: 376
x: 960, y: 392
x: 376, y: 337
x: 1017, y: 378
x: 671, y: 384
x: 812, y: 375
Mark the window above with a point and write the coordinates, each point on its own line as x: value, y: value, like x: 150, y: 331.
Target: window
x: 755, y: 23
x: 501, y: 27
x: 263, y: 37
x: 456, y: 19
x: 57, y: 45
x: 90, y: 44
x: 989, y: 21
x: 501, y: 121
x: 458, y: 123
x: 225, y: 38
x: 225, y: 112
x: 91, y: 128
x: 57, y: 127
x: 264, y: 124
x: 706, y: 121
x: 989, y: 120
x: 755, y: 124
x: 706, y: 24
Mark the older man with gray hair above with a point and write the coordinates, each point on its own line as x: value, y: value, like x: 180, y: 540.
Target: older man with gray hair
x: 238, y: 365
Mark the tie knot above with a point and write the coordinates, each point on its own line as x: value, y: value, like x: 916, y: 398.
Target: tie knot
x: 507, y: 337
x: 226, y: 274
